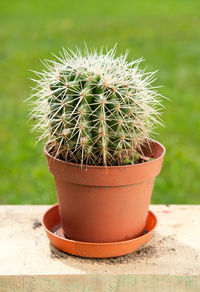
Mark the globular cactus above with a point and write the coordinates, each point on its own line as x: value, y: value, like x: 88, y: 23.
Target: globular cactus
x: 95, y: 108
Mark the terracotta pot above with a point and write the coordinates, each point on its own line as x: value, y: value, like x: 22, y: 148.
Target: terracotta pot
x: 99, y: 204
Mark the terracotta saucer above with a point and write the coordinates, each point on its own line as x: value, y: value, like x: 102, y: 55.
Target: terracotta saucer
x: 52, y: 225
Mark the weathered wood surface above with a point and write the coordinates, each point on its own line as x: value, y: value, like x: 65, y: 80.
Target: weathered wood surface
x: 170, y: 261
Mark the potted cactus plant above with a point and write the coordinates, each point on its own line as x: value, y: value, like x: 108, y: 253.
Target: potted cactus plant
x: 97, y: 112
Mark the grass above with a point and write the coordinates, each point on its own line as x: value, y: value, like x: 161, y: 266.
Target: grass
x: 165, y: 33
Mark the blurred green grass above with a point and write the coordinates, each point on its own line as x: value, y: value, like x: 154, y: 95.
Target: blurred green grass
x: 165, y: 33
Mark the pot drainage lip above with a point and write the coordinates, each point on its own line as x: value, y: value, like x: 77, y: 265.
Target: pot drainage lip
x: 52, y: 225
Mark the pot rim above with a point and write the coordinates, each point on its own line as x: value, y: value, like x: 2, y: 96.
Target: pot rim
x: 102, y: 166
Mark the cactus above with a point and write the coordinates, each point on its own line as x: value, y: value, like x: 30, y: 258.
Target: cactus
x: 95, y: 108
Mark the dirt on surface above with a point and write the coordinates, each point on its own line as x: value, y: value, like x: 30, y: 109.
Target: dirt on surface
x: 148, y: 251
x: 36, y: 224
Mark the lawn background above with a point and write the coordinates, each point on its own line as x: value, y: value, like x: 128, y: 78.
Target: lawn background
x: 165, y: 33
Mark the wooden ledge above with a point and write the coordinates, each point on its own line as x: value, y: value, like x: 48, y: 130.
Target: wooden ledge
x: 170, y: 261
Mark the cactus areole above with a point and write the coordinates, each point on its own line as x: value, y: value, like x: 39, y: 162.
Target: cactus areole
x: 98, y: 111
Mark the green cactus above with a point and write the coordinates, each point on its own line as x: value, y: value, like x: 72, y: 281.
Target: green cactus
x: 95, y: 109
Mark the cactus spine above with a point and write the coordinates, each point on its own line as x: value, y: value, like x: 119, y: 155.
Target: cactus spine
x: 95, y: 108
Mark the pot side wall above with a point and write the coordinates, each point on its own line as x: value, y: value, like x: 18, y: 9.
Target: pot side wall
x: 99, y: 204
x: 110, y: 214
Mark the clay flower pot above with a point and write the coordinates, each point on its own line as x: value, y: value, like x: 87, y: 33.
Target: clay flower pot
x: 105, y: 204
